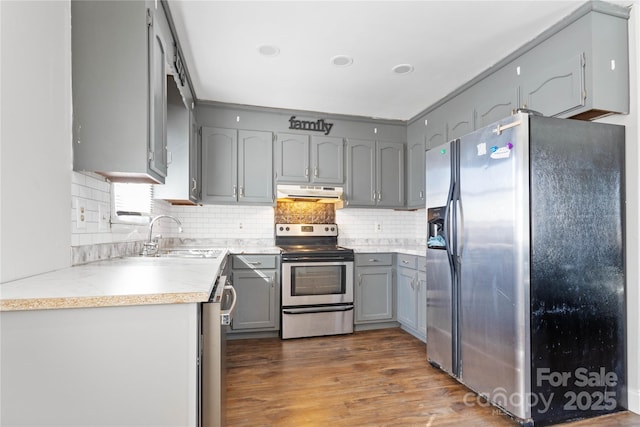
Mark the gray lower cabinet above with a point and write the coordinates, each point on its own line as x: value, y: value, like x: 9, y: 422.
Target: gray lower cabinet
x: 374, y: 288
x: 121, y: 54
x: 237, y: 166
x: 412, y: 300
x: 257, y: 284
x: 303, y: 159
x: 422, y: 298
x: 375, y: 173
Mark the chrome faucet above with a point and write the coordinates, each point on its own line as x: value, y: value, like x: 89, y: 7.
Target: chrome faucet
x: 151, y: 246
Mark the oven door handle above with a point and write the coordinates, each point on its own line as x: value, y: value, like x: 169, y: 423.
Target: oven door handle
x: 317, y: 309
x: 227, y: 315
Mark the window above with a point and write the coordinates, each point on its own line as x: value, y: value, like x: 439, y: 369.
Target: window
x: 132, y: 203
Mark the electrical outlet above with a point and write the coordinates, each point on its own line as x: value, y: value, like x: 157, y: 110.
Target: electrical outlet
x: 240, y: 226
x: 378, y: 227
x: 81, y: 213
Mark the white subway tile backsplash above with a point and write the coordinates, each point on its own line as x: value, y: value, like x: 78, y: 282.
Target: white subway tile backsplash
x: 219, y: 223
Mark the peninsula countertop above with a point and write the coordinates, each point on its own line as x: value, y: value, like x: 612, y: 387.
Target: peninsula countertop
x: 132, y: 280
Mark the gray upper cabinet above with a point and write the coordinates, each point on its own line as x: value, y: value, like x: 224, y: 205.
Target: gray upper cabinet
x: 361, y: 173
x: 301, y: 159
x: 375, y: 173
x: 390, y: 174
x: 121, y: 51
x: 415, y: 173
x: 459, y: 118
x: 580, y: 72
x: 219, y: 165
x: 255, y: 167
x: 327, y: 160
x: 195, y: 154
x: 497, y: 98
x: 292, y: 158
x: 182, y: 184
x: 236, y: 166
x: 556, y: 89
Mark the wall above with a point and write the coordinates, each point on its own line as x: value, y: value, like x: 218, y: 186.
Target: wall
x: 35, y: 151
x: 223, y: 225
x: 631, y: 122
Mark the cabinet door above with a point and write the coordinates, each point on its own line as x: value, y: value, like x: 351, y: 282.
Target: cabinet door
x: 415, y: 173
x: 195, y: 154
x: 459, y: 122
x: 219, y: 167
x: 390, y: 174
x: 255, y: 167
x: 374, y: 294
x: 407, y: 313
x: 257, y: 306
x: 292, y: 158
x: 422, y: 305
x: 436, y: 134
x: 497, y: 103
x: 327, y: 159
x: 557, y: 88
x: 361, y: 166
x: 158, y: 58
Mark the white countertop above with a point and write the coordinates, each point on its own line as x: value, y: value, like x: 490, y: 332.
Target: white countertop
x: 136, y: 280
x: 409, y: 250
x: 130, y: 280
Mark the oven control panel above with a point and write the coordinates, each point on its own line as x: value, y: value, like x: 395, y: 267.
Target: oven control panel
x: 306, y: 230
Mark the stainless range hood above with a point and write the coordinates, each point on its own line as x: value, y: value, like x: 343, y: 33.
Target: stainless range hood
x: 311, y: 193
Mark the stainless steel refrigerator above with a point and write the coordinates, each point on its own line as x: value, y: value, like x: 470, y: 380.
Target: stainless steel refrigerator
x: 525, y: 266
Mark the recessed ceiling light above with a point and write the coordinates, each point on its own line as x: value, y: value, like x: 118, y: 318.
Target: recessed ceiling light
x: 268, y: 50
x: 402, y: 69
x: 342, y: 60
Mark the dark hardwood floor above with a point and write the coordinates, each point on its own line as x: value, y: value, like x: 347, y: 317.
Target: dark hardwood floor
x: 370, y: 378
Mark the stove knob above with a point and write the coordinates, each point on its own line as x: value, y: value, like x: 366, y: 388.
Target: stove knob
x: 281, y: 228
x: 326, y: 229
x: 287, y: 228
x: 333, y: 229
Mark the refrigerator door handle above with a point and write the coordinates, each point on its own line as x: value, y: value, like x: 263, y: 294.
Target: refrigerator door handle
x: 459, y: 229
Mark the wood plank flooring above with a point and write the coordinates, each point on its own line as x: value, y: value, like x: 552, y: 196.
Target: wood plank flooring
x: 369, y: 378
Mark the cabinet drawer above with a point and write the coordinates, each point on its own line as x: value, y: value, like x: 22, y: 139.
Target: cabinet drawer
x: 374, y: 259
x: 408, y: 261
x: 422, y: 263
x: 254, y: 261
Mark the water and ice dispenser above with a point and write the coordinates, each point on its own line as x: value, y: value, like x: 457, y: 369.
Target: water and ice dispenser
x: 435, y: 229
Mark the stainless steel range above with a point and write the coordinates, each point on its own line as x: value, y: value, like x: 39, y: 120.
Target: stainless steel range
x: 317, y: 281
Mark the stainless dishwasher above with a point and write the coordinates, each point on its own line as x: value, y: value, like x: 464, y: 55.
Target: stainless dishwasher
x: 216, y: 315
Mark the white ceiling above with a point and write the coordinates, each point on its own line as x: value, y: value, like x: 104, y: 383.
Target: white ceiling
x: 447, y: 42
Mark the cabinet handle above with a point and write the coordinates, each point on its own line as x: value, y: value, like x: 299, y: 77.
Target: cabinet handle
x: 315, y: 171
x: 359, y: 279
x: 241, y: 191
x: 306, y: 171
x: 193, y: 181
x: 404, y: 261
x: 235, y: 191
x: 169, y: 157
x: 373, y: 260
x: 421, y: 194
x: 379, y: 196
x: 255, y: 263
